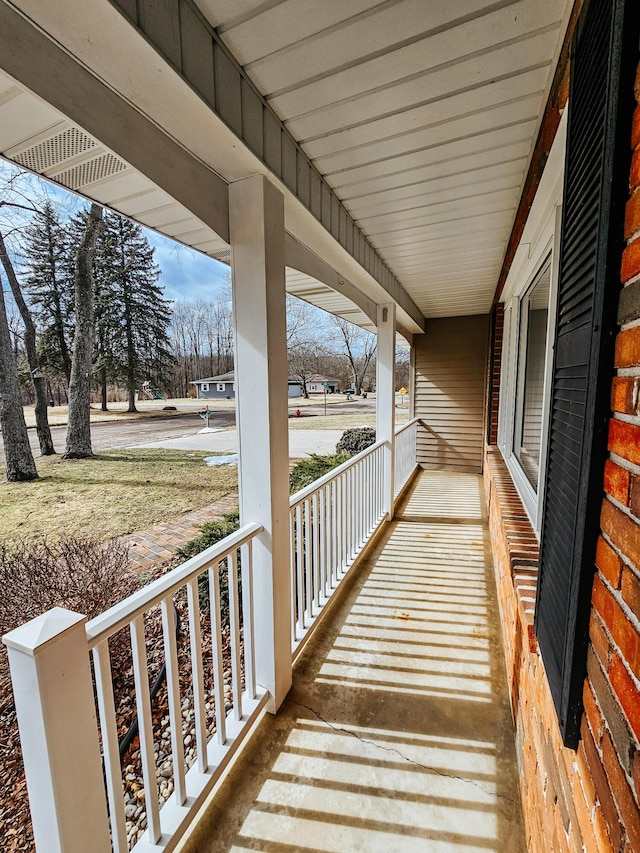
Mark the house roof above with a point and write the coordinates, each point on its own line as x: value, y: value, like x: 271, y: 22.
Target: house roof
x: 224, y: 377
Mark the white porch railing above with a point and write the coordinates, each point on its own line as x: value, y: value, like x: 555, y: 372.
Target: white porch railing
x: 331, y: 521
x: 206, y: 716
x: 216, y: 698
x: 405, y: 454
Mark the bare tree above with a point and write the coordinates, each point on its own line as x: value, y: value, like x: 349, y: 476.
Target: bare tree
x: 41, y: 411
x: 358, y: 348
x: 300, y: 320
x: 17, y: 450
x: 79, y: 426
x: 304, y: 362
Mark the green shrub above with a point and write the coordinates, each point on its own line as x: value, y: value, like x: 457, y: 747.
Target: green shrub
x: 309, y: 470
x: 210, y: 533
x: 356, y: 440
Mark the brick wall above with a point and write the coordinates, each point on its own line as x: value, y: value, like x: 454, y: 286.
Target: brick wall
x: 587, y: 799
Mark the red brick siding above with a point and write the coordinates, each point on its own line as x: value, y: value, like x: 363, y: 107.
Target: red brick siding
x: 589, y: 799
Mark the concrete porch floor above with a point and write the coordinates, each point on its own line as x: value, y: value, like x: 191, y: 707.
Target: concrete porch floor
x: 397, y: 734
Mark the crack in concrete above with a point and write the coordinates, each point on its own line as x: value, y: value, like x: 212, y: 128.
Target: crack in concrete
x: 401, y: 755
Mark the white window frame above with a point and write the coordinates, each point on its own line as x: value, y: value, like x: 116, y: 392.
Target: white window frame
x: 540, y: 238
x: 204, y: 386
x: 222, y: 387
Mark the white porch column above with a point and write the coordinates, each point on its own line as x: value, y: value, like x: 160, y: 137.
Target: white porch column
x: 386, y: 395
x: 51, y: 678
x: 412, y: 382
x: 256, y: 219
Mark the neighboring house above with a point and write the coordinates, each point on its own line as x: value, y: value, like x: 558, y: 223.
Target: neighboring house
x: 294, y: 388
x: 491, y: 153
x: 318, y: 384
x: 221, y: 387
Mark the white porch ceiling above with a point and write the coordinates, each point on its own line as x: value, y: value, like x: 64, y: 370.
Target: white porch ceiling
x: 420, y: 114
x: 39, y: 138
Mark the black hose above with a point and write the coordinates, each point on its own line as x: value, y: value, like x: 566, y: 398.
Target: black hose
x: 127, y: 740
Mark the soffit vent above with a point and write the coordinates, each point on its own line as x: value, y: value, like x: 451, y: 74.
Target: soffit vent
x: 94, y: 170
x: 223, y: 255
x: 56, y: 150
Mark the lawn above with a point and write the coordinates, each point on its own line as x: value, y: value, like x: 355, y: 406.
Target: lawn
x: 115, y: 493
x: 344, y: 421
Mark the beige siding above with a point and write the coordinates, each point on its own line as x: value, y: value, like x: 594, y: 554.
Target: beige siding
x: 450, y: 361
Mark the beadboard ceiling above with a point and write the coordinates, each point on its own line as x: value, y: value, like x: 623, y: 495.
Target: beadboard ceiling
x: 420, y: 114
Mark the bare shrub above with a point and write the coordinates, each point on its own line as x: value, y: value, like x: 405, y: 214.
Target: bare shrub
x: 74, y: 572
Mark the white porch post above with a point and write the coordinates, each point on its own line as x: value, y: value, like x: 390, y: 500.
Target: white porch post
x: 49, y: 663
x: 412, y: 382
x: 386, y: 395
x: 256, y: 219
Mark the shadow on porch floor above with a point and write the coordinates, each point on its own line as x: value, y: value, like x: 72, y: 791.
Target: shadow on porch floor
x: 397, y: 734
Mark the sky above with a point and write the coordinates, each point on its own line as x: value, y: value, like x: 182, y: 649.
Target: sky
x: 185, y: 274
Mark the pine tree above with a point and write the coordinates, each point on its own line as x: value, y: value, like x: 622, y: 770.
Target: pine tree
x: 49, y: 285
x: 135, y: 315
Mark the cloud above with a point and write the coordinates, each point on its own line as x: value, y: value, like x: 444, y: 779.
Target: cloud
x: 186, y: 274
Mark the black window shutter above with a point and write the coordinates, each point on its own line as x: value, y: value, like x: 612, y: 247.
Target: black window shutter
x: 601, y: 103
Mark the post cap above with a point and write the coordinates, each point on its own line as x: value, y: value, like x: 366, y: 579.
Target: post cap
x: 34, y: 635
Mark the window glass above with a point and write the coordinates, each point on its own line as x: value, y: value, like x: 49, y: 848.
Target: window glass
x: 534, y: 315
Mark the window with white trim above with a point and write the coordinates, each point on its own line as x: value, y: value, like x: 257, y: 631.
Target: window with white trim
x: 527, y: 358
x: 221, y: 386
x: 529, y: 326
x: 529, y: 407
x: 204, y: 386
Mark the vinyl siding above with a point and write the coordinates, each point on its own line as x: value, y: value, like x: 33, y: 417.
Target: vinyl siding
x: 450, y: 361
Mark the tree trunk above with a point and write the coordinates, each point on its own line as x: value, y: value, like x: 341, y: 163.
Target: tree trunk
x: 131, y: 362
x: 41, y: 411
x: 79, y: 428
x: 17, y: 450
x: 103, y: 388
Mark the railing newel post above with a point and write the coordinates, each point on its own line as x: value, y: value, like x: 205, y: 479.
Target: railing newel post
x: 54, y: 699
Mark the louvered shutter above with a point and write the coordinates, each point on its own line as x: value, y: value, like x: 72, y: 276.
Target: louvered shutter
x: 605, y: 54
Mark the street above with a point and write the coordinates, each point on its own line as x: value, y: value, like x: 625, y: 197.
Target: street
x: 110, y: 435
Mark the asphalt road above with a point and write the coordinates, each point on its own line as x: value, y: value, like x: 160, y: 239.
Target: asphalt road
x: 110, y: 435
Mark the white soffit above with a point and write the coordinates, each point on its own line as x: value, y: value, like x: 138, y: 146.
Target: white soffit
x: 39, y: 138
x: 421, y: 114
x: 305, y: 287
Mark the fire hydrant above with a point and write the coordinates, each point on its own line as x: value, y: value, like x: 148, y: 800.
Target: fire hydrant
x: 298, y: 413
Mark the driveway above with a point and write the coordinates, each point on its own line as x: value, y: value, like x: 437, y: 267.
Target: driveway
x: 302, y: 442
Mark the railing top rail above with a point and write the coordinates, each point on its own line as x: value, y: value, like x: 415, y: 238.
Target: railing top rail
x: 106, y: 624
x: 407, y: 425
x: 309, y: 490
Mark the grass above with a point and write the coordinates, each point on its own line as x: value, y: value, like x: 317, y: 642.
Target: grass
x: 115, y: 493
x: 58, y: 415
x: 346, y: 421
